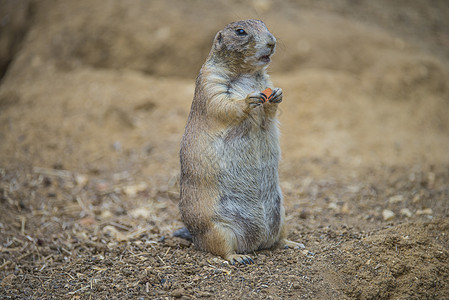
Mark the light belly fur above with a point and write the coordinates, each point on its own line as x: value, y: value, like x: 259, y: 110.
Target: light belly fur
x: 250, y: 197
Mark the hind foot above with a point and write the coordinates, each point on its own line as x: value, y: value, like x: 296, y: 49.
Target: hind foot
x: 291, y: 244
x: 240, y: 258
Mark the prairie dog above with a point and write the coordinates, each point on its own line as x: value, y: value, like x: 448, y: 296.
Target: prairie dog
x: 231, y: 202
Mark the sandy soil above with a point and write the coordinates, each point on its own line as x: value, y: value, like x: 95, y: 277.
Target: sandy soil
x: 93, y: 104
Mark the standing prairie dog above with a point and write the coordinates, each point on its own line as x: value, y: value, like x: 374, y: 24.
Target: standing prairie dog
x: 231, y: 202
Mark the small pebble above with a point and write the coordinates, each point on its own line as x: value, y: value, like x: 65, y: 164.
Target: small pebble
x: 426, y: 211
x: 178, y: 293
x: 133, y: 190
x: 388, y: 215
x: 81, y: 180
x: 296, y: 285
x: 345, y: 209
x: 87, y: 221
x: 416, y: 198
x: 396, y: 199
x: 114, y: 233
x: 106, y: 214
x: 141, y: 212
x: 406, y: 212
x: 333, y: 205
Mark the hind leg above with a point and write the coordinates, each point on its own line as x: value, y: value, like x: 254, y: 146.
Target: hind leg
x: 285, y: 243
x: 222, y: 241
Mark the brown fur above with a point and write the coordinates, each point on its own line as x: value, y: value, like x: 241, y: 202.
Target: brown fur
x: 230, y: 197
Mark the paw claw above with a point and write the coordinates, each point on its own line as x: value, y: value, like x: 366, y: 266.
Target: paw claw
x: 294, y: 245
x: 256, y: 99
x: 276, y: 96
x: 241, y: 259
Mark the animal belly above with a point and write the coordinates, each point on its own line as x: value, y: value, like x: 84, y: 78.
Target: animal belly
x: 250, y: 197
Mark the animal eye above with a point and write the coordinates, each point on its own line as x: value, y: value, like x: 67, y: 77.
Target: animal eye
x: 240, y: 32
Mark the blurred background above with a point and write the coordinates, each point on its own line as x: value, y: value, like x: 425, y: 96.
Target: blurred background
x: 107, y: 85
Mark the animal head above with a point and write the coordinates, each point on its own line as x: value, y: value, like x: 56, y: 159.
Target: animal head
x: 246, y: 45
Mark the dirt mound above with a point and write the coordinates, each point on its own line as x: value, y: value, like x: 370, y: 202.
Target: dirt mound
x: 93, y: 106
x: 413, y: 264
x: 16, y: 20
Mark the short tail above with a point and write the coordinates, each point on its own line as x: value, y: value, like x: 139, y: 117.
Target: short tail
x: 183, y: 233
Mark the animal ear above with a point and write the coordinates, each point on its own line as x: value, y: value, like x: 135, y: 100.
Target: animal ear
x: 218, y: 41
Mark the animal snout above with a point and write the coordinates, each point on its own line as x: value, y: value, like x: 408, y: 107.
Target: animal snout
x: 271, y: 42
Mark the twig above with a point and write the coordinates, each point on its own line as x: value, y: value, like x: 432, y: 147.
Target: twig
x: 81, y: 204
x: 74, y: 292
x: 53, y: 172
x: 161, y: 260
x: 120, y: 226
x: 4, y: 249
x: 23, y: 220
x: 66, y: 251
x: 23, y: 256
x: 5, y: 265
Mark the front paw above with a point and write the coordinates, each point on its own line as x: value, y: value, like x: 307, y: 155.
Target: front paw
x: 255, y: 99
x: 276, y: 96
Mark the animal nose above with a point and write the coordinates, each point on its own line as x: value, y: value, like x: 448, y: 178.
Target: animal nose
x: 271, y: 42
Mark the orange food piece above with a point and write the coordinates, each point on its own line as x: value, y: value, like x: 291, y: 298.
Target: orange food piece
x: 267, y: 92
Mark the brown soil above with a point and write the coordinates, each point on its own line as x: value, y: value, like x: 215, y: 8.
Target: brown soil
x: 93, y: 105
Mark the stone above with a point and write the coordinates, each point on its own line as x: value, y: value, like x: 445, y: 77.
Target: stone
x: 388, y: 215
x: 406, y: 213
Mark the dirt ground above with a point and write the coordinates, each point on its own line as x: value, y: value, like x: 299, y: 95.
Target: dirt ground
x: 93, y: 103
